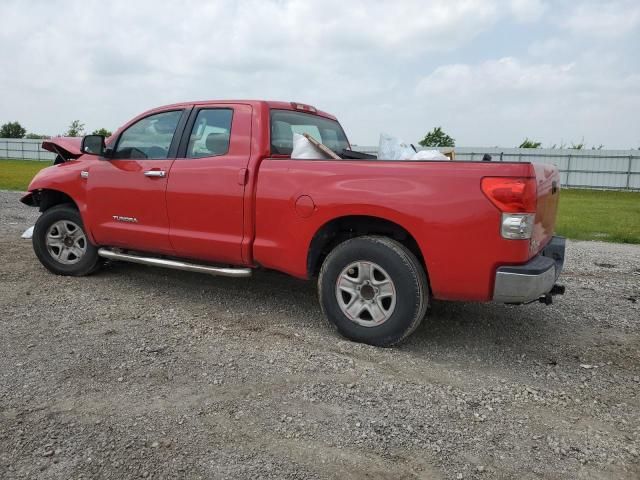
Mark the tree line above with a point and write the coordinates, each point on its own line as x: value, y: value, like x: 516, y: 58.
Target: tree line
x: 76, y: 129
x: 438, y: 138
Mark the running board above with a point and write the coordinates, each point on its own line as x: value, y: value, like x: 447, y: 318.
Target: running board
x: 174, y: 264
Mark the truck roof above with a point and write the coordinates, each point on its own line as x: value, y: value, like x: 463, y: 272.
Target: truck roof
x: 271, y: 104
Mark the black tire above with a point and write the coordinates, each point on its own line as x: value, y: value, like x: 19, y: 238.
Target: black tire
x: 84, y: 264
x: 408, y: 278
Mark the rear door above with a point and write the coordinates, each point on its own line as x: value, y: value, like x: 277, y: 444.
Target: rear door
x: 206, y: 188
x: 126, y: 192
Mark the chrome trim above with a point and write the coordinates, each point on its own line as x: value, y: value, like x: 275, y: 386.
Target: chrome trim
x: 84, y: 174
x: 527, y: 283
x: 175, y: 264
x: 155, y: 173
x: 120, y: 218
x: 522, y: 288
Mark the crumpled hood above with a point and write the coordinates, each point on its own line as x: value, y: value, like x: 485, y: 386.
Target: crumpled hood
x: 66, y: 147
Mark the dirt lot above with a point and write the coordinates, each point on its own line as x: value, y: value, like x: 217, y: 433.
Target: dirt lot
x: 142, y: 372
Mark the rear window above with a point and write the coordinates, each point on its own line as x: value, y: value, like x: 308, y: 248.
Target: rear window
x: 210, y: 133
x: 284, y: 123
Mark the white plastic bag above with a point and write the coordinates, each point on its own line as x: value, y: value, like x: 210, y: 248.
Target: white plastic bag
x: 28, y: 233
x: 392, y: 148
x: 429, y: 155
x: 303, y: 148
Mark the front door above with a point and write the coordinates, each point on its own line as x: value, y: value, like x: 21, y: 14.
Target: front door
x: 126, y: 192
x: 206, y: 186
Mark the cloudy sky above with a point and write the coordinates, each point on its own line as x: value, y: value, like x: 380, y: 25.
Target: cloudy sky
x: 491, y: 72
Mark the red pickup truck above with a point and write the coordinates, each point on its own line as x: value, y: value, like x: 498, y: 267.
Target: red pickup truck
x: 211, y: 187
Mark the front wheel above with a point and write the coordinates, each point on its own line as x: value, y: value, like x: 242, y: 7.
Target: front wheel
x: 61, y: 244
x: 373, y: 290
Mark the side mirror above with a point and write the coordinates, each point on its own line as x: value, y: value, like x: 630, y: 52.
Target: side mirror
x: 93, y: 145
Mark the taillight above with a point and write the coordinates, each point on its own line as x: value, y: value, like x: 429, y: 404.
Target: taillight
x: 513, y: 195
x: 517, y: 226
x: 516, y: 198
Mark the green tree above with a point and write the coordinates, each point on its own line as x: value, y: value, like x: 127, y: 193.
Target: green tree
x: 36, y: 136
x: 76, y: 129
x: 102, y: 131
x: 530, y: 144
x: 12, y: 130
x: 437, y: 138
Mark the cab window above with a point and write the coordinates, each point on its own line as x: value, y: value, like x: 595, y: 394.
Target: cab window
x: 284, y: 123
x: 210, y: 133
x: 149, y: 138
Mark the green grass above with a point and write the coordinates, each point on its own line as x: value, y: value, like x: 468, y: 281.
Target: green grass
x: 584, y: 214
x: 599, y: 215
x: 16, y: 174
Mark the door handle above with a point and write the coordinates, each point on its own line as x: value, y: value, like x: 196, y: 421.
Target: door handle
x: 155, y: 173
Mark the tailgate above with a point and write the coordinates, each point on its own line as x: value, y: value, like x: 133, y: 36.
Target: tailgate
x: 548, y: 191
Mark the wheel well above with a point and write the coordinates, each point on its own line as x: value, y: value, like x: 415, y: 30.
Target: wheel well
x: 340, y: 229
x: 45, y: 199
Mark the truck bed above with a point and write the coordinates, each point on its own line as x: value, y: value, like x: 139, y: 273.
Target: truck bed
x: 439, y: 203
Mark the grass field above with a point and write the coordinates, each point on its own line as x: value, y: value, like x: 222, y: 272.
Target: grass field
x: 584, y: 214
x: 599, y: 215
x: 16, y: 174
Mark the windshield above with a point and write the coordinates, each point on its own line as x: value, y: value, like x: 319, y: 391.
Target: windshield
x: 284, y: 123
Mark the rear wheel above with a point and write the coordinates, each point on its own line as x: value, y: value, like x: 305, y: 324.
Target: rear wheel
x: 373, y: 290
x: 61, y: 244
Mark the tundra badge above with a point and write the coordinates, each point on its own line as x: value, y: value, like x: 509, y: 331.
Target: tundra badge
x: 119, y: 218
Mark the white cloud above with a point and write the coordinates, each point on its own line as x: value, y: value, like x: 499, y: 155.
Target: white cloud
x: 105, y: 63
x: 360, y: 59
x: 528, y: 10
x: 506, y: 75
x: 550, y: 46
x: 604, y: 19
x: 509, y: 99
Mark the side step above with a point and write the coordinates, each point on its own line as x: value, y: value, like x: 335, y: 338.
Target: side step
x: 174, y: 264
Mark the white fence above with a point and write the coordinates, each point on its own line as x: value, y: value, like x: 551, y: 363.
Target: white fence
x: 24, y: 148
x: 606, y: 169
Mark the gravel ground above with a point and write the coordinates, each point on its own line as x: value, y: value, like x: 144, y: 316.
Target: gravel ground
x: 143, y: 372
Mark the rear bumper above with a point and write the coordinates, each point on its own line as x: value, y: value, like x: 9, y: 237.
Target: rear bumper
x: 527, y: 283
